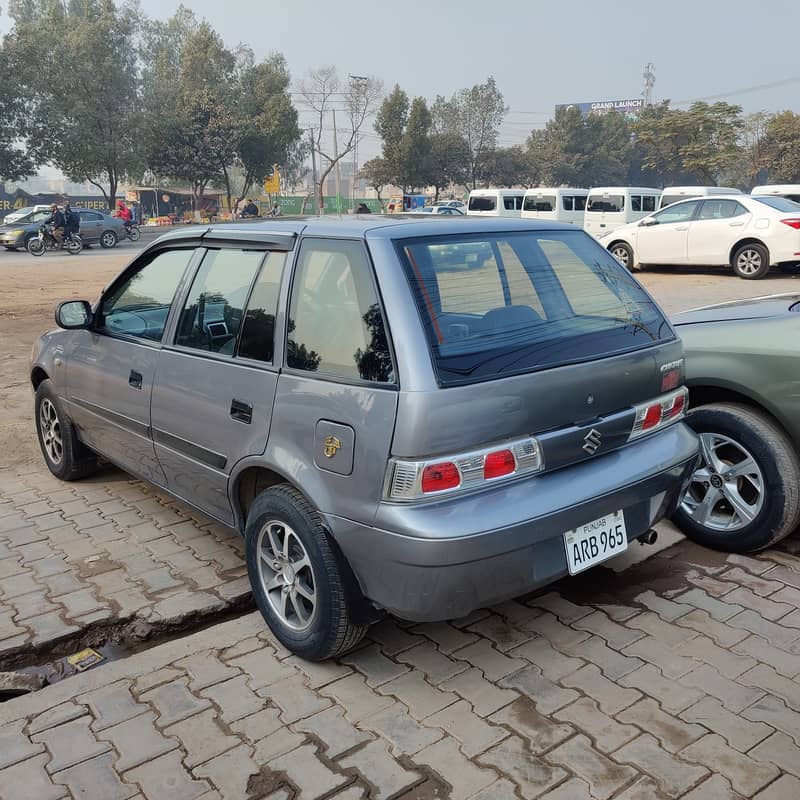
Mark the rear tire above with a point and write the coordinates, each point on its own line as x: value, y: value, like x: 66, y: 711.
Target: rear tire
x: 65, y: 455
x: 751, y: 261
x: 300, y: 585
x: 766, y: 488
x: 108, y: 240
x: 134, y: 234
x: 75, y: 245
x: 623, y: 253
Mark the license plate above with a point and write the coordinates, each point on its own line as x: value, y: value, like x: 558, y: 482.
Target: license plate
x: 595, y: 541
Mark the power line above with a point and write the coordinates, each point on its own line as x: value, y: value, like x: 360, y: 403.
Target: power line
x: 735, y: 93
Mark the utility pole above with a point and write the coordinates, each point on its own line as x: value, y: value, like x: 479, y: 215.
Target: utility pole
x: 338, y: 171
x: 359, y: 80
x: 649, y: 76
x: 317, y: 206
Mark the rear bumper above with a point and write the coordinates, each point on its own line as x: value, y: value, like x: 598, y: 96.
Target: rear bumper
x: 442, y: 560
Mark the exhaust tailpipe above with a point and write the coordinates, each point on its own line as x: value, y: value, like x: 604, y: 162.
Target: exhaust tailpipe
x: 649, y: 537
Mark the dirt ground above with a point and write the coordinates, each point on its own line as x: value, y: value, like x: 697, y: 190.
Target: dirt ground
x: 30, y: 289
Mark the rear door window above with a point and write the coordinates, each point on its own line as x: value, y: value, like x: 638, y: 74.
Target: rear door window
x: 503, y: 304
x: 336, y: 325
x: 721, y: 209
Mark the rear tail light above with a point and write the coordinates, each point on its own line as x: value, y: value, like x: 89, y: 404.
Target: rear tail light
x: 792, y: 223
x: 659, y: 413
x: 414, y: 480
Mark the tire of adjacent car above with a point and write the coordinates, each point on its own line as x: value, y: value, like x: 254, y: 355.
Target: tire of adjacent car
x: 755, y: 249
x: 77, y: 460
x: 623, y: 253
x: 108, y: 239
x: 331, y: 631
x: 778, y: 462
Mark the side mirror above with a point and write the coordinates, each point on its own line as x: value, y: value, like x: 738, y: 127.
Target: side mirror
x: 647, y: 222
x: 74, y: 315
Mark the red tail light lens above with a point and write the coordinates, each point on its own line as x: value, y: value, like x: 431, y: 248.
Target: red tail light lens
x: 498, y: 464
x: 659, y: 413
x: 792, y: 223
x: 438, y: 477
x: 651, y: 417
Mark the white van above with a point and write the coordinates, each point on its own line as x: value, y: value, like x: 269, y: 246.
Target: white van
x: 672, y: 194
x: 608, y: 207
x: 791, y: 191
x: 495, y: 202
x: 561, y: 204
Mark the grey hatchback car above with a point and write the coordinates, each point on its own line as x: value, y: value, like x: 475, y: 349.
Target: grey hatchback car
x: 419, y: 417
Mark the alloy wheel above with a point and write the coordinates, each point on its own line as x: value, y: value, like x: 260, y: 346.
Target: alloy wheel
x: 286, y: 575
x: 726, y: 492
x: 50, y: 428
x: 748, y: 262
x: 621, y: 254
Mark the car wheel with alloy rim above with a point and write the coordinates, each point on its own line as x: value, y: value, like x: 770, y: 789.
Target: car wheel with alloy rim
x: 751, y: 261
x: 108, y: 239
x: 745, y: 493
x: 301, y: 584
x: 623, y: 253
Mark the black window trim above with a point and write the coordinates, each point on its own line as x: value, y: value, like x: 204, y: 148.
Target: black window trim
x: 327, y: 376
x: 148, y: 256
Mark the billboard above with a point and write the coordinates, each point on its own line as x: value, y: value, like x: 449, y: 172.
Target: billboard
x: 630, y: 108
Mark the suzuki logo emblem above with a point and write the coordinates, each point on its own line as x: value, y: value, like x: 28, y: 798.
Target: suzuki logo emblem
x: 592, y: 441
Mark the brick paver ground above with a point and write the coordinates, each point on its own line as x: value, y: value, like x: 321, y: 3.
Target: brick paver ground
x: 668, y: 676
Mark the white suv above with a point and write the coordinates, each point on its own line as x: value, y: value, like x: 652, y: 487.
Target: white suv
x: 747, y: 233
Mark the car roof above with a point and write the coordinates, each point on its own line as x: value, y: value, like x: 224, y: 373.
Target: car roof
x: 389, y: 226
x: 618, y: 189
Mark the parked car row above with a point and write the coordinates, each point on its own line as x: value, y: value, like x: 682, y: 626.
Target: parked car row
x: 96, y: 227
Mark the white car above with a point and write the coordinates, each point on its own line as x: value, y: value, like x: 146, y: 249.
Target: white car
x: 746, y: 233
x: 459, y: 204
x: 448, y: 210
x: 19, y: 213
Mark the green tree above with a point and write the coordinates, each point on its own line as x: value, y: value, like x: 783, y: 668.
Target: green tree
x: 781, y: 148
x: 390, y: 125
x: 15, y: 160
x: 265, y: 122
x: 448, y: 161
x: 90, y: 127
x: 476, y: 114
x: 377, y: 174
x: 511, y: 166
x: 190, y: 110
x: 416, y: 147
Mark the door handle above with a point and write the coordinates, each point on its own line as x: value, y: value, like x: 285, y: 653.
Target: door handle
x: 135, y: 379
x: 682, y: 228
x: 736, y: 224
x: 241, y: 412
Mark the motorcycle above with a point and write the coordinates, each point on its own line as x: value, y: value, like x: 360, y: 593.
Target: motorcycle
x: 38, y: 245
x: 132, y: 232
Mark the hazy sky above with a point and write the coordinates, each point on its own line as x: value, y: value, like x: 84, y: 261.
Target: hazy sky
x: 540, y: 53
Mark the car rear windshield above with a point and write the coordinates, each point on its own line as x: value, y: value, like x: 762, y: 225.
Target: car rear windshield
x: 506, y: 303
x: 608, y: 202
x: 482, y: 203
x: 779, y: 204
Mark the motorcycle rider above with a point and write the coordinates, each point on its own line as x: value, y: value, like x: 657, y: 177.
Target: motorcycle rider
x: 71, y: 221
x: 56, y: 219
x: 124, y: 213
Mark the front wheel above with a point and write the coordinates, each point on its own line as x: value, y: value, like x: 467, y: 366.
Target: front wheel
x: 623, y: 253
x: 745, y: 493
x: 134, y: 233
x: 66, y: 457
x: 36, y: 246
x: 299, y: 582
x: 751, y: 261
x: 108, y: 240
